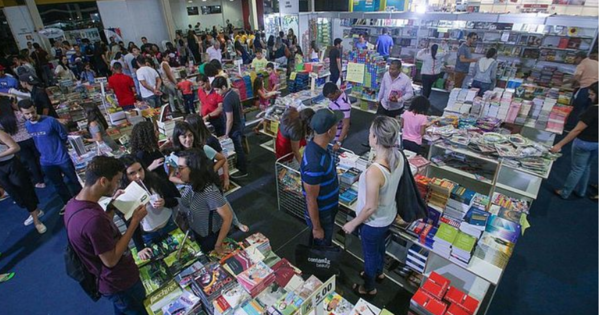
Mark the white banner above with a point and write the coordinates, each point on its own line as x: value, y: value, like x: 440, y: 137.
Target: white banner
x: 289, y: 6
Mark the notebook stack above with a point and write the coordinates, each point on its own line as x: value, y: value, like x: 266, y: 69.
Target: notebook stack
x: 416, y: 258
x: 439, y: 191
x: 241, y: 260
x: 422, y: 184
x: 557, y: 118
x: 256, y: 278
x: 474, y: 222
x: 443, y: 239
x: 462, y: 249
x: 260, y: 241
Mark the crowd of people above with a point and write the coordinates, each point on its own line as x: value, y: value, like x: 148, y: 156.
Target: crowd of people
x: 194, y: 184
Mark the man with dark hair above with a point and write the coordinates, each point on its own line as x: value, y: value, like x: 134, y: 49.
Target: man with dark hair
x: 319, y: 178
x: 123, y: 86
x: 234, y: 122
x: 362, y: 42
x: 50, y: 138
x: 39, y: 97
x: 146, y: 46
x: 463, y: 60
x: 149, y: 83
x: 97, y: 240
x: 40, y: 57
x: 395, y: 89
x: 384, y: 44
x: 335, y: 61
x: 338, y: 102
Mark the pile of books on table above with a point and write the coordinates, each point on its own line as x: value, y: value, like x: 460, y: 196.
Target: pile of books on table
x: 438, y: 297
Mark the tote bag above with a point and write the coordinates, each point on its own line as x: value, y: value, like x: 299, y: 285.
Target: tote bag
x: 409, y: 203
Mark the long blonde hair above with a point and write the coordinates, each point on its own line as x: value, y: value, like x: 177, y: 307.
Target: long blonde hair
x: 386, y: 129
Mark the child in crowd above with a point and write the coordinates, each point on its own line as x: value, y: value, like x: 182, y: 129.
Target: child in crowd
x: 186, y: 87
x: 88, y: 75
x: 313, y: 51
x: 259, y: 62
x: 338, y: 102
x: 298, y: 57
x: 414, y: 122
x: 273, y: 78
x: 263, y: 100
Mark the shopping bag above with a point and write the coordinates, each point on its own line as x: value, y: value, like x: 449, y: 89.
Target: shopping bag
x: 409, y: 203
x: 321, y: 261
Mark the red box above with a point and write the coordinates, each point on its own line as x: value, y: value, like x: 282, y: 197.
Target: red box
x: 428, y: 302
x: 436, y: 285
x: 461, y: 299
x: 454, y: 309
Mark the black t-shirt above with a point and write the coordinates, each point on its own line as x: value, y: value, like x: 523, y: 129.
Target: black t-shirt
x: 214, y: 143
x: 232, y: 104
x: 42, y: 101
x: 590, y: 118
x: 334, y: 54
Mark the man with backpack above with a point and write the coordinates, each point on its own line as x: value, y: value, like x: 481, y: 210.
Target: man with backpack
x: 97, y: 242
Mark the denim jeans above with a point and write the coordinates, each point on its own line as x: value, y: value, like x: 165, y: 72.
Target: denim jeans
x: 130, y: 301
x: 153, y: 101
x: 327, y: 220
x: 373, y: 246
x: 483, y: 87
x: 155, y: 236
x: 583, y: 153
x: 137, y: 84
x: 55, y: 174
x: 219, y: 124
x: 188, y: 100
x: 240, y: 164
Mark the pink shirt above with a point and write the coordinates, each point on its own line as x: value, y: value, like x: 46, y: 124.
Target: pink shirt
x: 411, y: 130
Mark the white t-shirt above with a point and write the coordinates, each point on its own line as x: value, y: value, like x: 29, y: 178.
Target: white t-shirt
x: 386, y: 210
x: 213, y: 53
x: 149, y: 75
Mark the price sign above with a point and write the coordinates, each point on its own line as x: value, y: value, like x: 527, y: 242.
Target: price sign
x: 315, y: 299
x: 355, y: 72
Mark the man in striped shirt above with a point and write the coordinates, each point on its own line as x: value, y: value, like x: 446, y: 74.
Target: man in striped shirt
x: 338, y: 103
x: 319, y: 178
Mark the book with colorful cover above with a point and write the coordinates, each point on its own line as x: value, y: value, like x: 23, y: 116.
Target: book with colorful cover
x: 186, y: 277
x: 186, y: 302
x: 261, y: 242
x: 309, y: 286
x: 288, y: 304
x: 284, y: 271
x: 162, y: 297
x: 241, y: 260
x: 363, y: 307
x: 335, y: 304
x: 252, y: 307
x: 269, y: 296
x: 271, y: 258
x: 230, y: 246
x: 503, y: 228
x: 256, y: 278
x: 464, y: 242
x: 230, y: 300
x: 211, y: 281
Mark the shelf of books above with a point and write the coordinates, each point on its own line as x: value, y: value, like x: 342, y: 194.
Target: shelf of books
x: 525, y: 45
x: 249, y: 279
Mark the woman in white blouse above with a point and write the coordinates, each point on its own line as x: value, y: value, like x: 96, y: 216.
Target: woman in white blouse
x: 62, y: 71
x: 433, y: 60
x: 376, y: 207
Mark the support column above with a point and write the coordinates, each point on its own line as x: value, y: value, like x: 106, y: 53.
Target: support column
x: 254, y: 14
x: 38, y: 25
x: 166, y: 8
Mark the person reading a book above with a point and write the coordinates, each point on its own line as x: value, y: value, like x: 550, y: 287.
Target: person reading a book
x: 210, y: 216
x: 184, y: 138
x: 376, y: 207
x: 414, y: 123
x: 97, y: 126
x: 584, y: 150
x: 158, y: 223
x: 97, y: 241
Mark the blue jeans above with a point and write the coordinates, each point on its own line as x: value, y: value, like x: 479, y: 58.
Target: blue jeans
x: 583, y: 153
x: 240, y: 164
x: 327, y: 220
x: 130, y: 301
x: 55, y: 174
x: 137, y: 84
x: 188, y: 100
x: 153, y: 101
x: 373, y: 246
x: 483, y: 87
x: 151, y: 237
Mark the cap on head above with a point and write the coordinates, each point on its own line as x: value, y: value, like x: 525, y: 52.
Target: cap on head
x: 324, y: 119
x: 27, y: 78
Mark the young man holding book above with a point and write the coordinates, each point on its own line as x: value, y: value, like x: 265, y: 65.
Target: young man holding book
x: 98, y: 242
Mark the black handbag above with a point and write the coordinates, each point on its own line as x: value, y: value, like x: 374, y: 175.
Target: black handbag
x: 320, y: 261
x: 409, y: 203
x: 78, y: 271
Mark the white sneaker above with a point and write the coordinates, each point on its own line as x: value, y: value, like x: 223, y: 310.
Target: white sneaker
x: 41, y: 228
x: 30, y: 219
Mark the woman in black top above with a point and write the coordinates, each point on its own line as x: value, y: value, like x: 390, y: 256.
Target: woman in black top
x: 100, y: 60
x: 192, y: 42
x: 158, y: 222
x: 584, y: 150
x: 144, y: 145
x: 270, y: 44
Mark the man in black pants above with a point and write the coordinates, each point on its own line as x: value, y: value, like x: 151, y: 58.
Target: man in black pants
x: 335, y: 61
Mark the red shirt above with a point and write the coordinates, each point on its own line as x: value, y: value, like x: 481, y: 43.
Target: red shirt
x: 186, y: 87
x: 209, y: 102
x: 122, y: 84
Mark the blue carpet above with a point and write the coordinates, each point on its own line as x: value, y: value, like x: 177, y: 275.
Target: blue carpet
x: 554, y: 269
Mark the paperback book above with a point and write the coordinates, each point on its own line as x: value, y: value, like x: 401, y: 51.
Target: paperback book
x: 256, y: 278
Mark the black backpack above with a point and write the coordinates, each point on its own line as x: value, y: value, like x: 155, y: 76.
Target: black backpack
x: 409, y: 202
x: 78, y: 271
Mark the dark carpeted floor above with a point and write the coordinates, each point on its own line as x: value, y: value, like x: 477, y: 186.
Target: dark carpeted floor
x: 553, y: 269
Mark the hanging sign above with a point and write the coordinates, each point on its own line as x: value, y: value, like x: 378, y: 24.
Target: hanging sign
x: 289, y: 6
x: 355, y: 72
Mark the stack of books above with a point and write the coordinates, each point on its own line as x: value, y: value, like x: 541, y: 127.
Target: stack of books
x: 241, y: 260
x: 474, y: 222
x: 503, y: 228
x: 256, y: 278
x: 443, y: 239
x: 439, y: 191
x: 284, y: 272
x: 260, y: 241
x: 462, y: 249
x: 494, y: 250
x: 270, y: 296
x: 460, y: 302
x: 335, y: 304
x: 184, y: 304
x: 210, y: 282
x: 557, y: 118
x: 422, y: 184
x: 363, y: 307
x: 286, y: 305
x: 416, y: 258
x: 230, y: 300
